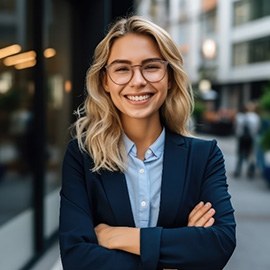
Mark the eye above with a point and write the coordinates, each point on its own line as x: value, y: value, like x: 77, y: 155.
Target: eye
x: 152, y: 66
x: 120, y: 68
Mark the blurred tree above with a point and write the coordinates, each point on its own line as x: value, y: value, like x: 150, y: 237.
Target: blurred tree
x: 265, y: 99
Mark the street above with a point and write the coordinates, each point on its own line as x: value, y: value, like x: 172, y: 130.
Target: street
x: 251, y: 201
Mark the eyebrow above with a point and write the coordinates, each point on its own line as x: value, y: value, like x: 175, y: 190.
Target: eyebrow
x: 123, y: 61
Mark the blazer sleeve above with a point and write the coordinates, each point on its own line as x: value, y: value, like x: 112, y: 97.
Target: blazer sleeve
x: 78, y: 242
x: 196, y: 248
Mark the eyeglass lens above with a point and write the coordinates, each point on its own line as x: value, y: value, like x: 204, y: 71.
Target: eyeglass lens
x: 152, y: 71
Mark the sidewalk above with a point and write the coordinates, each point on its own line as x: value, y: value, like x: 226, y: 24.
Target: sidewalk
x: 251, y: 201
x: 50, y: 260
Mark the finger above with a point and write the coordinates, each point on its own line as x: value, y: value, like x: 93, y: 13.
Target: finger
x: 195, y: 209
x: 209, y: 223
x: 205, y: 218
x: 199, y: 214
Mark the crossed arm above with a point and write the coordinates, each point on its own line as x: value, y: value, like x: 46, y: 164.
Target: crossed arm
x: 204, y: 243
x: 128, y: 238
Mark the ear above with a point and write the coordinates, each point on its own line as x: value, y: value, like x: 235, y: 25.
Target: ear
x: 105, y: 82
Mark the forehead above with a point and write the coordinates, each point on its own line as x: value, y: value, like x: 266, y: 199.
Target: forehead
x: 134, y: 47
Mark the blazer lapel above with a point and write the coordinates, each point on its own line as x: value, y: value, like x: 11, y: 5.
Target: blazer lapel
x: 173, y: 177
x: 117, y: 193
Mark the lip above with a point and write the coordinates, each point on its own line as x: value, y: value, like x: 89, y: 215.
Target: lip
x: 138, y: 98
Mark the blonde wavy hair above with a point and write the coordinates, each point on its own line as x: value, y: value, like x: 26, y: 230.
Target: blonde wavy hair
x: 98, y: 127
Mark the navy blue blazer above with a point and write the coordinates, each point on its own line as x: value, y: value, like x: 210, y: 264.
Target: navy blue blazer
x: 193, y: 171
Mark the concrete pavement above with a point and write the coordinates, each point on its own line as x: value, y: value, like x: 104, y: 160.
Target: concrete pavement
x: 251, y: 200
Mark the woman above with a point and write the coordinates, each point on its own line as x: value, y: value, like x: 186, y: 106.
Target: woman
x: 137, y: 192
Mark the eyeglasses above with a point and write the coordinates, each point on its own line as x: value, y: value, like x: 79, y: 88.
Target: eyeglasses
x: 152, y: 71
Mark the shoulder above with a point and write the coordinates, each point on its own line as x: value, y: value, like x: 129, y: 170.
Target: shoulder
x: 199, y: 153
x: 195, y: 146
x: 203, y: 148
x: 190, y: 141
x: 73, y: 146
x: 74, y: 151
x: 205, y: 153
x: 200, y: 140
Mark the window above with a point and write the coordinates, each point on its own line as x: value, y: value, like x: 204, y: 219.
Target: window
x: 248, y: 10
x: 209, y: 21
x: 253, y: 51
x: 34, y: 114
x: 7, y: 6
x: 16, y: 114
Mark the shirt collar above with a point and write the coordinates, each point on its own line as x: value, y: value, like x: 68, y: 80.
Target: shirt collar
x: 128, y: 143
x: 157, y: 147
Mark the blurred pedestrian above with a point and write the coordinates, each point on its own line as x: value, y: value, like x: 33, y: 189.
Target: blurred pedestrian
x: 247, y: 125
x: 138, y: 192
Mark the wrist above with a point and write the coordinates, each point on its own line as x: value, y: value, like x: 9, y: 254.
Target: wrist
x: 128, y: 240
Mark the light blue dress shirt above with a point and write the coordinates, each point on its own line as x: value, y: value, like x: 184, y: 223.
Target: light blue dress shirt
x: 144, y: 181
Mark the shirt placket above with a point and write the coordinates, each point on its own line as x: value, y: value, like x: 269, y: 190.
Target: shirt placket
x: 144, y: 200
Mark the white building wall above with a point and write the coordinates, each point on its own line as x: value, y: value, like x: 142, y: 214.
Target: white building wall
x: 254, y: 29
x: 184, y: 28
x: 143, y: 8
x: 230, y: 35
x: 173, y: 21
x: 190, y: 32
x: 224, y: 17
x: 257, y: 71
x: 194, y: 61
x: 174, y: 10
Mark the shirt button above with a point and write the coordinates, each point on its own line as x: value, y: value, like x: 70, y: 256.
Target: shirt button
x: 148, y: 151
x: 143, y: 203
x: 141, y: 171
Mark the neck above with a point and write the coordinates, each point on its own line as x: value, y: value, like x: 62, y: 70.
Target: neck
x: 142, y: 132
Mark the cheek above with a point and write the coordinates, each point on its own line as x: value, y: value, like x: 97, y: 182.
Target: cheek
x: 114, y: 93
x: 166, y: 87
x: 117, y: 103
x: 165, y: 91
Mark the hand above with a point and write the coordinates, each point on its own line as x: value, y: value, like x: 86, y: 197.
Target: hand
x: 123, y: 238
x: 105, y: 235
x: 202, y: 215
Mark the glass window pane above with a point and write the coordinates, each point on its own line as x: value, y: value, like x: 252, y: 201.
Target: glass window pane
x: 248, y: 10
x: 59, y: 86
x: 16, y: 102
x: 7, y: 6
x: 253, y: 51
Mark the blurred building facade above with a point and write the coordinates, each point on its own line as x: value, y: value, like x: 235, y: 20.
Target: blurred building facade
x: 45, y: 49
x: 226, y: 42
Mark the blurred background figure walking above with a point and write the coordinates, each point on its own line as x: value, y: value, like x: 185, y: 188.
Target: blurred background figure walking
x: 247, y: 125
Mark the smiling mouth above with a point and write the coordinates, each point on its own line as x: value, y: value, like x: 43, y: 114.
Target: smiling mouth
x: 138, y: 97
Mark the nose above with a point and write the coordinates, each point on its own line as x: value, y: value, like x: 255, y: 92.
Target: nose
x: 137, y: 77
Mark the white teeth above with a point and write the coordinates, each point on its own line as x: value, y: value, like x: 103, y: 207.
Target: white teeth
x: 138, y: 98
